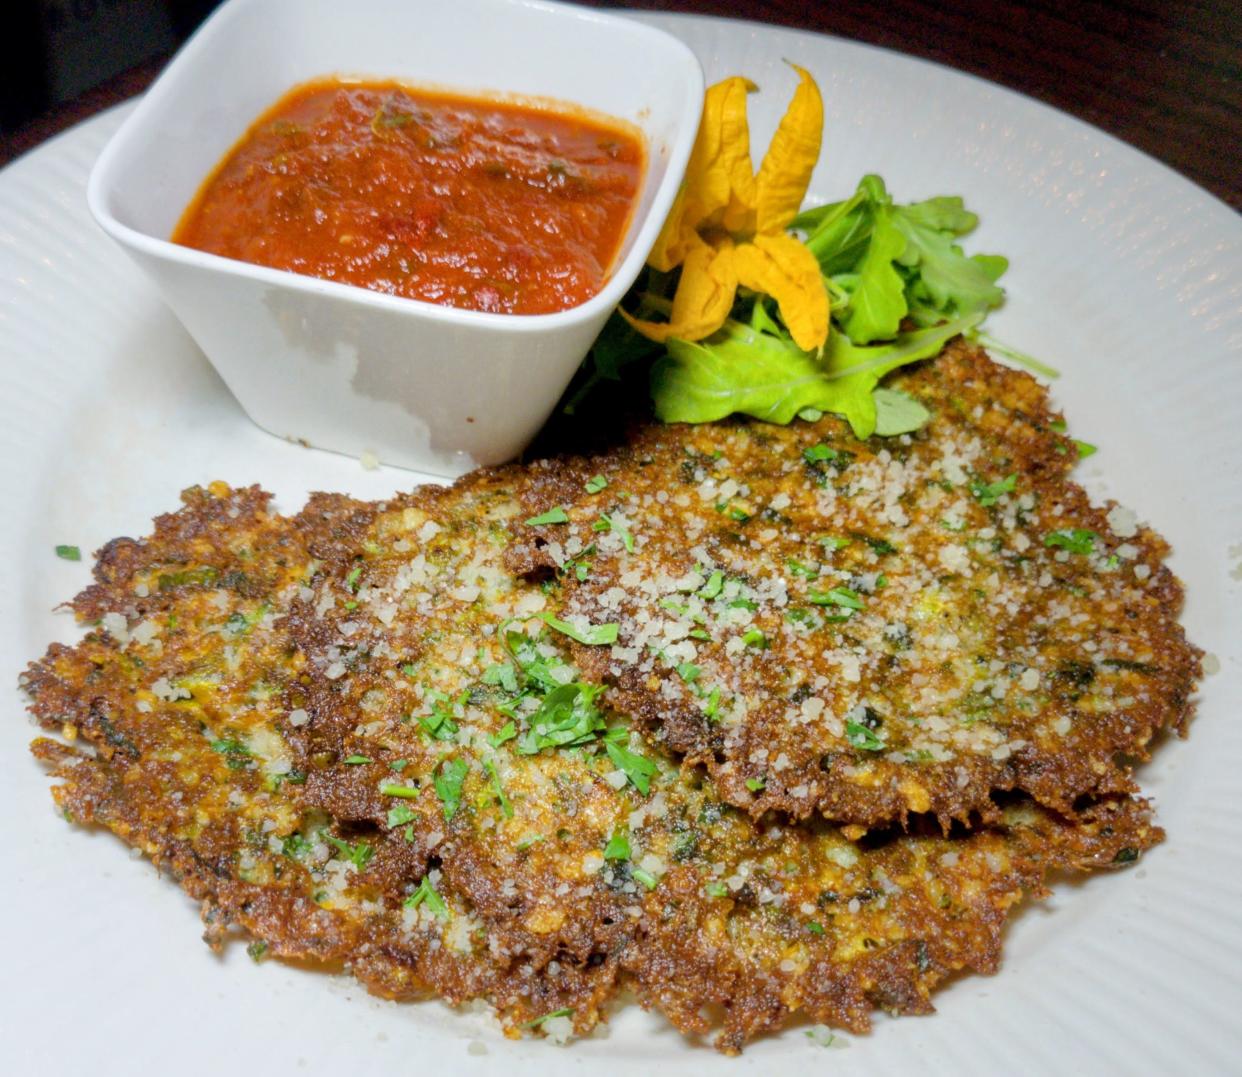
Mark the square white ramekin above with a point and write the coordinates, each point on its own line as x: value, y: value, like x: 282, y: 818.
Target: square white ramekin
x: 341, y: 367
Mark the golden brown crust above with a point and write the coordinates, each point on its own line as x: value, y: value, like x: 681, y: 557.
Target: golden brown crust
x: 895, y: 632
x: 273, y: 709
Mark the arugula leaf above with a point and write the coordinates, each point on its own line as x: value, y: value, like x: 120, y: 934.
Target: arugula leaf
x: 738, y: 370
x: 878, y: 299
x: 948, y: 283
x: 448, y: 783
x: 897, y: 413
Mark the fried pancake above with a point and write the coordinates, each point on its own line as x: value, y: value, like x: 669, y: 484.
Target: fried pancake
x: 870, y: 629
x: 351, y: 737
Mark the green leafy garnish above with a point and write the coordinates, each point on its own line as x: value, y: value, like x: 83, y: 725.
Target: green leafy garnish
x: 987, y: 494
x: 740, y: 370
x: 838, y: 596
x: 553, y: 516
x: 69, y: 553
x: 592, y: 635
x: 1075, y: 540
x: 400, y: 816
x: 506, y: 808
x: 884, y: 261
x: 645, y: 877
x: 506, y: 732
x: 897, y: 413
x: 756, y: 785
x: 567, y: 717
x: 357, y: 760
x: 595, y: 484
x: 393, y: 789
x: 358, y: 854
x: 427, y: 894
x: 714, y: 585
x: 618, y: 847
x: 859, y: 736
x: 448, y: 782
x: 606, y: 523
x: 638, y: 768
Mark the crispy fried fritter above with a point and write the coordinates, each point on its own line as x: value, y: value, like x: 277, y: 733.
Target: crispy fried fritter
x: 349, y: 734
x: 872, y: 629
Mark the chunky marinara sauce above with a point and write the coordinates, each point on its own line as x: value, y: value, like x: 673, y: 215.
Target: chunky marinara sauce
x: 467, y: 202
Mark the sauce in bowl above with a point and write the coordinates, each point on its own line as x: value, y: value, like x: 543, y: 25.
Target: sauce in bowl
x: 467, y: 202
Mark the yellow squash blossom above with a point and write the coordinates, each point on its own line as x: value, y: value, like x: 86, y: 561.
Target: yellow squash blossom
x: 728, y: 226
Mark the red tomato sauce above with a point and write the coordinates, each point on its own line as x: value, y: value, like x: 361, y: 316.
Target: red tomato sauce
x: 467, y: 202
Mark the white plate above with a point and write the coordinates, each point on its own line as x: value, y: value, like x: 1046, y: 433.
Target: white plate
x: 1124, y: 275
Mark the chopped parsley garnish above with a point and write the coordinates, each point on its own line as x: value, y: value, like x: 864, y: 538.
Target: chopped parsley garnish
x: 618, y: 847
x: 440, y: 723
x: 506, y: 809
x: 637, y: 768
x: 566, y: 718
x: 1085, y: 449
x: 818, y: 454
x: 838, y: 596
x: 502, y: 674
x: 236, y: 754
x: 645, y: 877
x: 606, y: 523
x: 595, y: 484
x: 398, y: 765
x: 688, y: 672
x: 257, y: 951
x: 833, y: 542
x: 862, y: 738
x: 400, y: 815
x: 392, y: 789
x: 448, y: 782
x: 427, y: 894
x: 711, y: 705
x: 357, y: 760
x: 592, y: 635
x: 754, y: 637
x: 809, y: 572
x: 506, y: 732
x: 358, y: 854
x: 756, y: 785
x: 69, y: 553
x: 553, y: 516
x: 713, y: 586
x: 989, y: 493
x: 351, y: 581
x: 1075, y: 540
x: 716, y: 889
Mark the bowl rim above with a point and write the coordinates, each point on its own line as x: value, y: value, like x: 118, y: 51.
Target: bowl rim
x: 101, y: 182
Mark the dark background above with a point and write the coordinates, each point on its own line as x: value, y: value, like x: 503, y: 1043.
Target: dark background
x: 1163, y: 76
